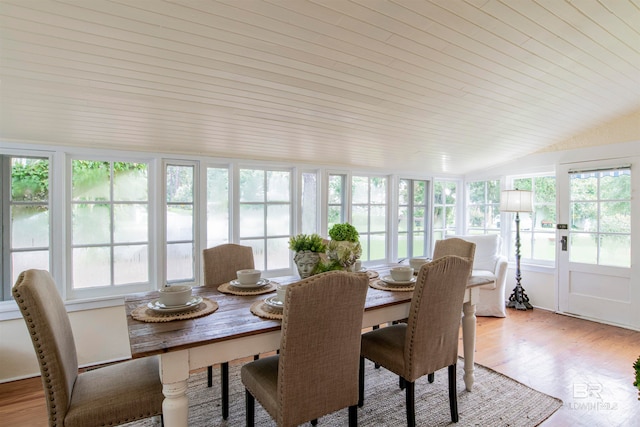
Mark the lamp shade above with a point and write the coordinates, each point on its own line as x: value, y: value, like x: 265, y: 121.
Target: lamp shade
x: 516, y: 201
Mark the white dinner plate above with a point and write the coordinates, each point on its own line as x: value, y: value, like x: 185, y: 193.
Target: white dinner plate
x: 156, y: 306
x: 389, y: 280
x: 274, y: 302
x: 260, y: 283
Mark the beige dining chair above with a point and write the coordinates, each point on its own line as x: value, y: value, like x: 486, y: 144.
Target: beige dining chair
x: 112, y: 395
x: 454, y: 246
x: 316, y: 371
x: 221, y: 264
x: 429, y: 339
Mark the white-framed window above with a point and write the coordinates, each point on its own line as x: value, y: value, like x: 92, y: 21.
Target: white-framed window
x: 600, y: 228
x: 537, y: 228
x: 25, y: 205
x: 444, y: 209
x: 369, y: 195
x: 413, y: 218
x: 109, y: 235
x: 265, y: 206
x: 180, y: 220
x: 483, y: 207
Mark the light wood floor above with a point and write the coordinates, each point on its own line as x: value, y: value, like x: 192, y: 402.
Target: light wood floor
x: 588, y: 365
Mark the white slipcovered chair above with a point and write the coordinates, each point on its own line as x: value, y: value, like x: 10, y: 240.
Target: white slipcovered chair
x: 490, y: 263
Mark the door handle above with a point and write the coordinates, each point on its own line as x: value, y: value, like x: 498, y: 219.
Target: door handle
x: 563, y: 242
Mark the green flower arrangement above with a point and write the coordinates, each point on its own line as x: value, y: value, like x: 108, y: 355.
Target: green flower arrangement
x: 307, y: 242
x: 344, y: 247
x: 344, y: 232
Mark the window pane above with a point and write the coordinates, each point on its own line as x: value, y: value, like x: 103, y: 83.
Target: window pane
x: 523, y: 184
x: 251, y: 185
x: 584, y: 216
x: 493, y: 191
x: 258, y: 252
x: 476, y: 192
x: 438, y: 218
x: 615, y: 185
x: 360, y: 189
x: 378, y: 246
x: 179, y: 184
x: 544, y: 246
x: 450, y: 193
x: 419, y: 193
x: 378, y: 219
x: 278, y: 254
x: 615, y: 217
x: 179, y: 222
x: 21, y: 261
x: 309, y: 203
x: 419, y: 244
x: 91, y: 224
x: 130, y: 264
x: 403, y: 192
x: 335, y: 189
x: 583, y: 187
x: 91, y: 267
x: 418, y: 219
x: 278, y: 220
x: 91, y: 180
x: 217, y: 206
x: 545, y: 190
x: 476, y: 216
x: 614, y: 250
x: 333, y: 215
x: 251, y: 220
x: 402, y: 245
x: 29, y: 180
x: 278, y: 186
x: 130, y: 223
x: 29, y: 226
x: 378, y: 190
x: 584, y: 248
x: 179, y: 262
x: 360, y: 218
x: 130, y: 182
x: 403, y: 217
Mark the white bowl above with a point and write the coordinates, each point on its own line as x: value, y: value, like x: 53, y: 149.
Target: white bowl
x: 248, y: 276
x: 416, y: 263
x: 175, y: 295
x: 281, y: 291
x: 402, y: 274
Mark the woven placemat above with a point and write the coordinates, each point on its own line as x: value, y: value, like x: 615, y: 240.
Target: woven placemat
x: 261, y: 309
x: 384, y: 286
x: 227, y: 288
x: 372, y: 274
x: 145, y: 314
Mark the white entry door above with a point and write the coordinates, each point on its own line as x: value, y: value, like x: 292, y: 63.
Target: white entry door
x: 594, y: 251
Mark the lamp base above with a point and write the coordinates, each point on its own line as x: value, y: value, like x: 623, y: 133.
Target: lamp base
x: 518, y: 299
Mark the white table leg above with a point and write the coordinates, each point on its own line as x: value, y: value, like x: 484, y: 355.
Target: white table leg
x: 174, y: 373
x: 469, y: 341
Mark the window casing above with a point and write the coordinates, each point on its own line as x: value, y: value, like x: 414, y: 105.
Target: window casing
x: 109, y: 226
x: 413, y: 211
x: 26, y: 218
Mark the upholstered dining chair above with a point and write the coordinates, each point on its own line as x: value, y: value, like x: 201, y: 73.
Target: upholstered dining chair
x: 220, y: 266
x: 454, y: 246
x: 429, y: 339
x: 112, y: 395
x: 316, y: 371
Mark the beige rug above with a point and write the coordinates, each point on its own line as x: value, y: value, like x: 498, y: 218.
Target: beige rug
x: 496, y: 400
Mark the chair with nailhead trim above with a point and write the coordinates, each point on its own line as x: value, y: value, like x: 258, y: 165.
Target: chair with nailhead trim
x: 112, y: 395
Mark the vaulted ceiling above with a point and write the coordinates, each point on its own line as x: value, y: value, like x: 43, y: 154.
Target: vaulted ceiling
x: 443, y: 86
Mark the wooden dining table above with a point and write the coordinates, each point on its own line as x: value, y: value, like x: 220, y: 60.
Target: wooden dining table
x: 233, y: 332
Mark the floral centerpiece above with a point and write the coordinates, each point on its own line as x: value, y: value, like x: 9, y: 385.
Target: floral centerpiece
x: 344, y: 247
x: 308, y: 249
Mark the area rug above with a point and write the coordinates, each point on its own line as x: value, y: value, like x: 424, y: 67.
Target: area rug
x: 496, y: 400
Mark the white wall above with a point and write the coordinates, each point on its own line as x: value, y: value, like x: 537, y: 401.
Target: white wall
x: 100, y: 334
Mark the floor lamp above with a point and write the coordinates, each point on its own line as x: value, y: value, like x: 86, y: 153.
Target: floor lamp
x: 517, y: 201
